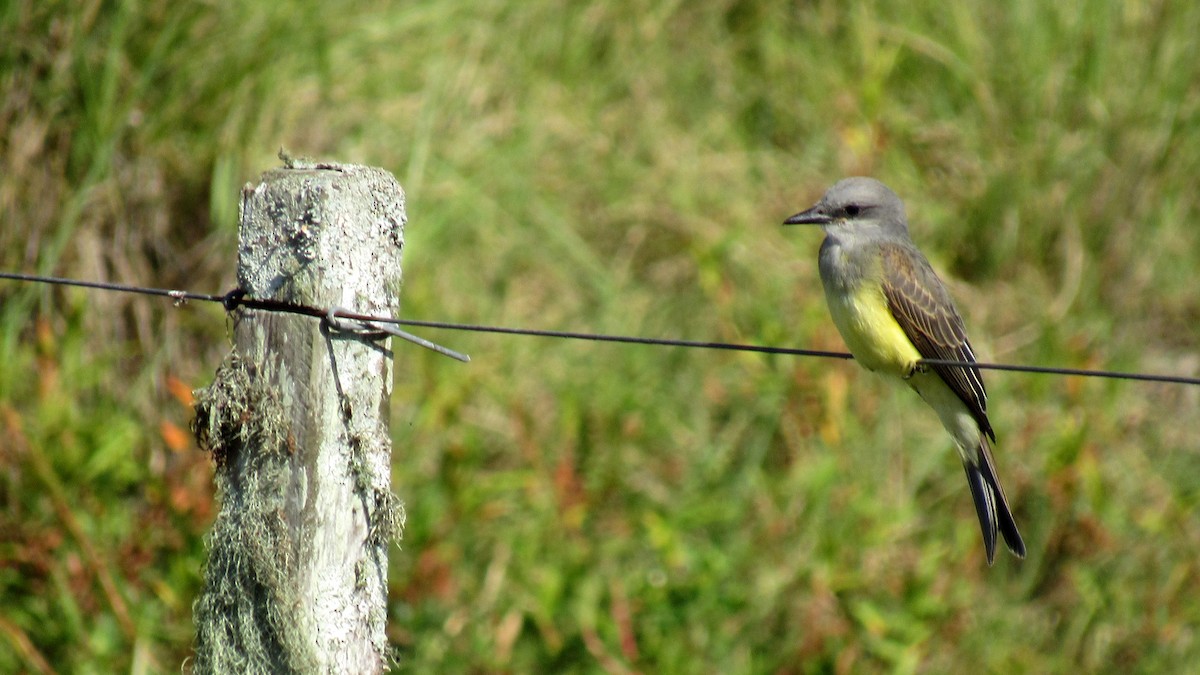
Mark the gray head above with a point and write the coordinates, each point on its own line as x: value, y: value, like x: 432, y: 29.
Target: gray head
x: 854, y: 205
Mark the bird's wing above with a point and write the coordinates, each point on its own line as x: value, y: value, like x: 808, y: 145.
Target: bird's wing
x: 924, y: 309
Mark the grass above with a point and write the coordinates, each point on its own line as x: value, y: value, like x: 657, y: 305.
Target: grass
x: 623, y: 167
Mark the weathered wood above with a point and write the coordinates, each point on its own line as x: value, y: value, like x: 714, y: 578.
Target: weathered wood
x: 297, y: 422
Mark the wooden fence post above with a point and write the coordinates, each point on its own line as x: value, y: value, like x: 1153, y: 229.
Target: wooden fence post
x: 297, y: 423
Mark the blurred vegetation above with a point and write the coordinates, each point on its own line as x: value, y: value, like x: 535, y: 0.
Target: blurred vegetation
x: 624, y: 167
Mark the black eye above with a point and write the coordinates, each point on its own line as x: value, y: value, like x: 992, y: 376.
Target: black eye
x: 853, y: 210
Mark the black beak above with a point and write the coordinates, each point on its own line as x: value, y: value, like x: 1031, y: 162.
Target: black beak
x: 809, y: 217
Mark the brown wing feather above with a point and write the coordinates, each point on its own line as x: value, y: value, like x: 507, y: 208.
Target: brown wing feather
x: 924, y: 309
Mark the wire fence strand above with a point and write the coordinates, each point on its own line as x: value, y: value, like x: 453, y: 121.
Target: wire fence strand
x: 237, y: 298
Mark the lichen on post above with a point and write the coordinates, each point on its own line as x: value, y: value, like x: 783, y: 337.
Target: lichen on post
x: 297, y: 423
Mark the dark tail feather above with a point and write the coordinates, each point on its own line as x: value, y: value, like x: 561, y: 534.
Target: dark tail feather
x: 991, y: 505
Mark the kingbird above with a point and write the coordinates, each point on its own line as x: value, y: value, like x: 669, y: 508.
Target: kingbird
x: 893, y: 311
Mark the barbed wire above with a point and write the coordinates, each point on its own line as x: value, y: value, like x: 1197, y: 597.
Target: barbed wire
x: 238, y: 298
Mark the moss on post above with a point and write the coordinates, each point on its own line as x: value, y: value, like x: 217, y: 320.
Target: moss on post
x: 296, y: 421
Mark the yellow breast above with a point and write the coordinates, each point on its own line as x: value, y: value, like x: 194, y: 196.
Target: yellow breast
x: 870, y: 331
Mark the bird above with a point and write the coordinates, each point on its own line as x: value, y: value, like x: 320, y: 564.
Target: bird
x: 893, y: 311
